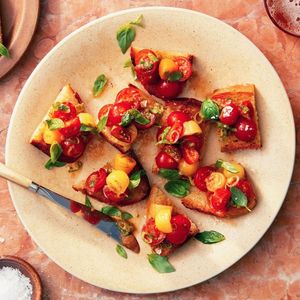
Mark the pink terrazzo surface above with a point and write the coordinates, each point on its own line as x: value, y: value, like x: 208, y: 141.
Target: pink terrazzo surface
x: 272, y: 269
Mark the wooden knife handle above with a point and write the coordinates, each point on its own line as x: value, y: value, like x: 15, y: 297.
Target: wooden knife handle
x: 11, y: 175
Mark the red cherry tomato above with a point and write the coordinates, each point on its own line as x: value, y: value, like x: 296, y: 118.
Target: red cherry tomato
x: 246, y: 129
x: 117, y: 111
x: 177, y: 116
x: 165, y: 161
x: 246, y: 187
x: 112, y: 196
x: 143, y: 56
x: 220, y: 199
x: 190, y: 155
x: 73, y: 147
x: 165, y: 89
x: 121, y: 133
x: 130, y: 94
x: 200, y: 176
x: 185, y: 67
x: 181, y: 226
x: 190, y: 148
x: 229, y: 114
x: 104, y: 111
x: 247, y: 109
x: 72, y: 128
x: 193, y: 141
x: 151, y: 234
x: 175, y: 133
x: 92, y: 216
x: 75, y: 206
x: 96, y: 181
x: 151, y: 117
x: 65, y: 112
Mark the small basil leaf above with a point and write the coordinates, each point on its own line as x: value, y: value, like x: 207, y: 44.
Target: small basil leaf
x: 133, y: 114
x: 99, y: 85
x: 164, y: 134
x: 178, y: 188
x: 140, y: 119
x: 121, y: 251
x: 138, y: 21
x: 55, y: 123
x: 210, y: 110
x: 86, y: 128
x: 50, y: 165
x: 88, y: 202
x: 127, y: 118
x: 226, y: 165
x: 126, y: 215
x: 3, y: 51
x: 210, y: 237
x: 128, y: 64
x: 125, y: 36
x: 175, y: 76
x: 169, y: 174
x: 238, y: 198
x: 135, y: 179
x: 160, y: 263
x: 55, y: 151
x: 111, y: 211
x: 102, y: 123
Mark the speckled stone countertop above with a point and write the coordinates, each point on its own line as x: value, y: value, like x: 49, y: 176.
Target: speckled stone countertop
x: 272, y: 269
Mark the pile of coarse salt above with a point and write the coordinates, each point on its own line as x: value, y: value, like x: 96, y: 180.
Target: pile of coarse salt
x: 14, y: 285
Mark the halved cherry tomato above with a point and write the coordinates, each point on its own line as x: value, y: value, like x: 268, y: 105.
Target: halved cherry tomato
x: 151, y: 117
x: 165, y: 89
x: 177, y: 116
x: 65, y: 112
x: 151, y: 234
x: 246, y: 187
x: 181, y: 226
x: 72, y: 128
x: 229, y: 114
x: 117, y: 111
x: 175, y: 133
x: 190, y: 154
x: 73, y: 147
x: 185, y: 67
x: 75, y: 206
x: 92, y: 216
x: 220, y: 199
x: 246, y: 129
x: 190, y: 148
x: 165, y: 160
x: 247, y: 109
x: 200, y: 176
x: 112, y: 196
x: 104, y: 111
x: 144, y: 57
x: 121, y: 133
x: 193, y: 141
x: 130, y: 94
x: 96, y: 181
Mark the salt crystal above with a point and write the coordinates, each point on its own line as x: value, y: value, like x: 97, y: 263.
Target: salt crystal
x: 14, y: 285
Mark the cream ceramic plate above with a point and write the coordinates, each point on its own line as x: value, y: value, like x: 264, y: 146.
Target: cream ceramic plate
x: 223, y: 57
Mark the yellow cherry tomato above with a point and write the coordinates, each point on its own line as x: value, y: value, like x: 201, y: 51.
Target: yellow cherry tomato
x: 155, y: 208
x: 52, y: 136
x: 191, y: 127
x: 124, y: 163
x: 215, y: 180
x: 187, y: 169
x: 117, y: 181
x: 239, y: 168
x: 87, y: 119
x: 166, y: 67
x: 163, y: 219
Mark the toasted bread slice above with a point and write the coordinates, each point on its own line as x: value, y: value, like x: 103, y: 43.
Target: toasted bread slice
x: 159, y: 197
x: 67, y: 94
x: 133, y: 195
x: 1, y: 38
x: 237, y: 94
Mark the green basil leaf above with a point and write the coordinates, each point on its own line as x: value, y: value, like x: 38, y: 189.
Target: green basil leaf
x: 178, y: 188
x: 133, y: 114
x: 75, y: 166
x: 86, y: 128
x: 210, y: 237
x: 88, y: 202
x: 102, y: 123
x: 3, y: 51
x: 55, y: 151
x: 175, y: 76
x: 50, y: 165
x: 64, y: 107
x: 126, y: 215
x: 135, y: 179
x: 210, y: 110
x: 138, y: 21
x: 238, y: 198
x: 125, y: 36
x: 169, y: 174
x: 140, y: 119
x: 55, y: 123
x: 160, y: 263
x: 121, y: 251
x: 99, y: 85
x: 128, y: 64
x: 127, y: 118
x: 226, y: 165
x: 111, y: 211
x: 163, y: 139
